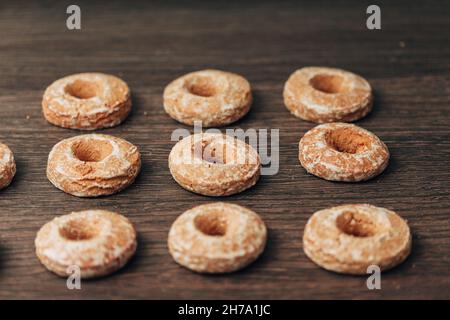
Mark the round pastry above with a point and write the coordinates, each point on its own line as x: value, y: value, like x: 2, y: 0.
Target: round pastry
x: 93, y: 165
x: 350, y: 238
x: 214, y: 164
x: 342, y: 152
x: 7, y: 166
x: 217, y: 238
x: 98, y: 242
x: 87, y: 101
x: 214, y: 97
x: 320, y: 94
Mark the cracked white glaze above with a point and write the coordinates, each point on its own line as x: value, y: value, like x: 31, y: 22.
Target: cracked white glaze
x: 81, y: 178
x: 243, y: 241
x: 230, y: 101
x: 352, y: 102
x: 332, y: 248
x: 7, y: 166
x: 322, y: 160
x: 189, y: 168
x: 112, y: 244
x: 110, y: 105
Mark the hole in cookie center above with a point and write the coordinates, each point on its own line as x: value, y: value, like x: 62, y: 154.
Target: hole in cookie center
x: 211, y: 152
x: 82, y: 89
x: 356, y: 224
x: 211, y: 224
x: 347, y: 140
x: 202, y: 86
x: 79, y: 229
x: 327, y: 83
x: 91, y: 150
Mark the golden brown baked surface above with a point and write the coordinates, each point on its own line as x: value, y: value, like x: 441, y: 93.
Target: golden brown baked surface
x: 93, y: 165
x: 214, y: 97
x: 98, y: 242
x: 7, y: 166
x: 350, y: 238
x: 214, y: 164
x: 217, y: 238
x: 321, y: 94
x: 87, y: 101
x: 342, y: 152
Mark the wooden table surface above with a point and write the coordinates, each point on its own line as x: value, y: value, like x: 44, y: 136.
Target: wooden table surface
x: 148, y: 45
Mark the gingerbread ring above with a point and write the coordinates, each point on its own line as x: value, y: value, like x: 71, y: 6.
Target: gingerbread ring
x: 350, y: 238
x: 97, y: 242
x: 342, y: 152
x: 321, y: 95
x: 7, y: 166
x: 87, y: 101
x: 214, y: 164
x: 217, y: 238
x: 93, y: 165
x: 214, y: 97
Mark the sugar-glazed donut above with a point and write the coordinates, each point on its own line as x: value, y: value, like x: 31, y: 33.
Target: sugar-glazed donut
x: 97, y: 242
x: 320, y: 94
x: 214, y: 164
x: 217, y: 238
x: 87, y: 101
x: 7, y: 166
x: 214, y: 97
x: 93, y: 165
x: 342, y: 152
x: 350, y: 238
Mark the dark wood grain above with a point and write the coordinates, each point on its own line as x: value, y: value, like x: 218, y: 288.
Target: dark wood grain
x: 407, y: 62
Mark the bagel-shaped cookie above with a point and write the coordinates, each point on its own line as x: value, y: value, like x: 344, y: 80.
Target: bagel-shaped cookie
x: 7, y: 166
x: 93, y: 165
x: 98, y: 242
x: 214, y: 164
x: 321, y: 95
x: 214, y: 97
x: 87, y: 101
x: 350, y: 238
x: 342, y: 152
x: 217, y: 238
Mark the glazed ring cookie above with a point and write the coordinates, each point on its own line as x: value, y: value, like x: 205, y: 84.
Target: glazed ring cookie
x: 87, y: 101
x: 321, y: 95
x: 97, y: 242
x: 216, y: 98
x: 7, y: 166
x: 217, y: 238
x: 214, y: 164
x: 93, y: 165
x: 350, y: 238
x: 342, y: 152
